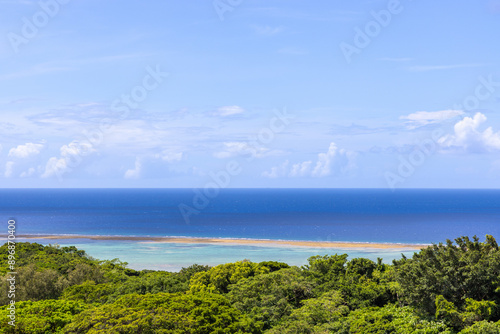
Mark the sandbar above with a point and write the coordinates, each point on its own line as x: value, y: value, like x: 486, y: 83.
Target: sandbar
x: 235, y: 241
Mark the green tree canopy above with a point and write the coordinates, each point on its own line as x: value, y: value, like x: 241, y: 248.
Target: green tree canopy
x: 163, y: 313
x: 469, y: 269
x: 269, y: 297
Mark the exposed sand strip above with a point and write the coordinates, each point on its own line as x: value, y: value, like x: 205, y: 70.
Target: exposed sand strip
x: 255, y: 242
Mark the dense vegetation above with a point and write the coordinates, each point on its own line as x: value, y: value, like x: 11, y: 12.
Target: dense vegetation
x: 445, y: 288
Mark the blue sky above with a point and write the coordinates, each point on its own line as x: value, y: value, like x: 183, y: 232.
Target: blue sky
x: 230, y: 93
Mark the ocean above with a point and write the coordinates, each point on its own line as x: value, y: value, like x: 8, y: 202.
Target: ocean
x: 409, y: 216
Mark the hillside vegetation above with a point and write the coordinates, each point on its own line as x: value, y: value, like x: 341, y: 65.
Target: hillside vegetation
x: 451, y: 287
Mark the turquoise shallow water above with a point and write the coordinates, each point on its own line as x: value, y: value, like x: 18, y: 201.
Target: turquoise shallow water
x: 174, y: 256
x: 410, y: 216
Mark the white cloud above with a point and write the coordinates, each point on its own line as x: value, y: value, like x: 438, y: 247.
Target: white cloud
x: 228, y: 111
x: 233, y: 149
x: 422, y: 118
x: 134, y: 173
x: 71, y: 156
x: 278, y: 171
x: 325, y: 160
x: 469, y: 138
x: 333, y: 161
x: 55, y: 167
x: 301, y: 169
x: 25, y: 151
x: 8, y: 168
x: 76, y: 148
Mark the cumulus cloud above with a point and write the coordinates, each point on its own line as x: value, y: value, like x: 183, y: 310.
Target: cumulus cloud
x: 333, y: 161
x: 325, y: 160
x: 301, y: 169
x: 55, y: 167
x: 278, y: 171
x: 134, y: 173
x: 75, y: 148
x: 71, y: 156
x: 469, y: 138
x: 228, y: 111
x: 422, y: 118
x: 25, y: 151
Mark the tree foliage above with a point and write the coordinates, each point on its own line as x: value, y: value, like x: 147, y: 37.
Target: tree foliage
x: 445, y: 288
x: 469, y: 269
x: 315, y: 316
x: 43, y: 317
x: 163, y: 313
x: 267, y: 298
x: 218, y: 279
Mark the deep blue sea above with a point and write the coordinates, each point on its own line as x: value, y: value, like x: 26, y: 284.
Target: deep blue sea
x: 363, y: 215
x: 368, y: 215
